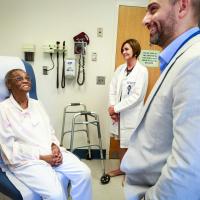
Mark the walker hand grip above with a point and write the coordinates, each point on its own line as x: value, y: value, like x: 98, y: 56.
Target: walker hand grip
x: 86, y: 113
x: 75, y: 104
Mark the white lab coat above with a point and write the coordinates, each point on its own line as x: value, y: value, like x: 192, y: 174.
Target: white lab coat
x: 127, y: 95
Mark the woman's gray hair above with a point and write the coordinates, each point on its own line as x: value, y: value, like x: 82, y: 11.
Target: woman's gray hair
x: 9, y: 75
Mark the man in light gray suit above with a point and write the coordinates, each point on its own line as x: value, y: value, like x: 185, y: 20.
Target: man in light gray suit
x: 163, y: 158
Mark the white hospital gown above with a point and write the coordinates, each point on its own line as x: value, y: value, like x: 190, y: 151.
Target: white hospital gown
x: 25, y: 134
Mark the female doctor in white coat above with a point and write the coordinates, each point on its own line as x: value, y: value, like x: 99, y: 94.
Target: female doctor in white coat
x: 126, y: 96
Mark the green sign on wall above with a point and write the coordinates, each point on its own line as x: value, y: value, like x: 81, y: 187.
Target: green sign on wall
x: 149, y: 58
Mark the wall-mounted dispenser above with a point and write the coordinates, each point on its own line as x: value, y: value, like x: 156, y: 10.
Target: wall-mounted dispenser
x: 29, y: 50
x: 70, y: 68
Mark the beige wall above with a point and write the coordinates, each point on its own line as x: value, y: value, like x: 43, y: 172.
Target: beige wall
x: 43, y: 21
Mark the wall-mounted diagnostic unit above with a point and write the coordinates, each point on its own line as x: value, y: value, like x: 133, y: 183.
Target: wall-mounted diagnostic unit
x: 80, y: 43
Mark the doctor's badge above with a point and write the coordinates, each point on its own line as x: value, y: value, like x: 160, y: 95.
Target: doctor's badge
x: 130, y: 85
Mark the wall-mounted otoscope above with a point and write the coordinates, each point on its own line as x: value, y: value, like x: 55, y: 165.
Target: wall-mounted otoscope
x: 63, y: 68
x: 57, y: 56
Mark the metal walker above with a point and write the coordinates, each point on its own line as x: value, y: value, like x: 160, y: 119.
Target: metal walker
x: 90, y: 118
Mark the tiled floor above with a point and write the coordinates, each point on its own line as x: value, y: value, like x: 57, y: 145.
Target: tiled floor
x: 111, y: 191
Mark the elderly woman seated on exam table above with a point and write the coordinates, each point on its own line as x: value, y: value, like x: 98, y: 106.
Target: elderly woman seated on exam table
x: 30, y: 149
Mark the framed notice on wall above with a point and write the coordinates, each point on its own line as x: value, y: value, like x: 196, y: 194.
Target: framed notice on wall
x: 149, y: 58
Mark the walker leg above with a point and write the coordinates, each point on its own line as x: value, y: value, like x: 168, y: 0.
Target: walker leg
x: 88, y: 139
x: 72, y: 135
x: 105, y: 178
x: 63, y: 128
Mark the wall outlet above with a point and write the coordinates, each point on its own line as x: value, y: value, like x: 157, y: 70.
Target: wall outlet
x: 100, y: 80
x: 100, y: 32
x: 45, y: 70
x: 94, y: 56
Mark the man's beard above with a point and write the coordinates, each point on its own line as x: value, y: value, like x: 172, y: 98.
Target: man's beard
x: 156, y: 39
x: 166, y: 32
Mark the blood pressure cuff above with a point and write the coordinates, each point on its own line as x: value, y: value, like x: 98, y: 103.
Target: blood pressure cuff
x: 82, y: 37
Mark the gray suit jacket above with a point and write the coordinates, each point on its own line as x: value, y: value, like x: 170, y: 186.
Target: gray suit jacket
x: 163, y: 158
